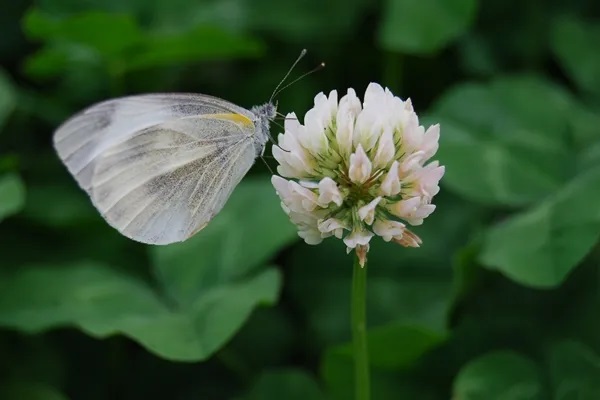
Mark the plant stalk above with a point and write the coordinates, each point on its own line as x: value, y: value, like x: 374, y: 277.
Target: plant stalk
x: 359, y: 331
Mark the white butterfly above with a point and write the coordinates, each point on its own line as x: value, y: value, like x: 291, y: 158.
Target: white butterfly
x: 159, y: 167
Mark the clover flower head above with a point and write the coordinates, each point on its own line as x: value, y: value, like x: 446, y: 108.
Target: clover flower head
x: 355, y: 170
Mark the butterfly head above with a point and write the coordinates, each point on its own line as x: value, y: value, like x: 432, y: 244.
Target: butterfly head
x: 264, y: 113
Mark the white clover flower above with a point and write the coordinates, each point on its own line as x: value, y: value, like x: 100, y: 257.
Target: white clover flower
x: 356, y: 171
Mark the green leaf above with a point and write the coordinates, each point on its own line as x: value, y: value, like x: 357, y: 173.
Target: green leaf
x: 392, y: 348
x: 513, y: 131
x: 108, y: 34
x: 541, y: 246
x: 590, y: 157
x: 336, y: 17
x: 575, y: 44
x: 424, y: 26
x: 501, y: 375
x: 12, y: 195
x: 59, y: 206
x: 206, y: 288
x: 197, y: 44
x: 7, y: 97
x: 116, y: 42
x: 289, y: 384
x: 104, y: 302
x: 29, y: 391
x: 245, y: 234
x: 48, y: 62
x: 575, y: 371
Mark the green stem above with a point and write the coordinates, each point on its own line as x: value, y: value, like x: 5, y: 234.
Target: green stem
x: 359, y: 331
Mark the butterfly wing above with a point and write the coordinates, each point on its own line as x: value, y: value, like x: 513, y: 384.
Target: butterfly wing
x: 158, y: 167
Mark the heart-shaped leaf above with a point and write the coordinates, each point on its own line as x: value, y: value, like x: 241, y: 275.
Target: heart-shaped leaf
x: 501, y: 375
x: 513, y: 132
x: 574, y: 369
x: 575, y: 43
x: 541, y: 246
x: 424, y: 26
x: 205, y: 289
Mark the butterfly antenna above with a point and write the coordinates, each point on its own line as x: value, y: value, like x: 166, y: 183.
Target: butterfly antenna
x: 273, y: 140
x: 275, y: 91
x: 315, y: 69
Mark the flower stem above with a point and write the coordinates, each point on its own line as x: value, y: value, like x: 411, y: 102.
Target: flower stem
x: 359, y: 331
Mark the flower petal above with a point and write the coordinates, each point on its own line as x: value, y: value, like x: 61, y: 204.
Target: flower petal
x: 358, y: 237
x: 360, y: 166
x: 430, y: 143
x: 404, y: 208
x: 333, y: 226
x: 385, y: 149
x: 390, y: 186
x: 367, y: 213
x: 329, y: 192
x: 348, y: 110
x: 408, y: 239
x: 388, y: 229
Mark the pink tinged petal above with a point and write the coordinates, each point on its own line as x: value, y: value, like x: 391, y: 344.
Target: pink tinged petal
x: 404, y: 208
x: 385, y: 149
x: 310, y: 236
x: 304, y: 196
x: 358, y: 237
x: 412, y: 134
x: 361, y: 253
x: 411, y: 163
x: 430, y: 183
x: 295, y: 197
x: 285, y: 208
x: 309, y: 184
x: 360, y: 166
x: 418, y: 215
x: 295, y: 162
x: 367, y: 213
x: 408, y: 239
x: 329, y: 192
x: 433, y: 172
x: 390, y: 186
x: 388, y: 229
x: 307, y: 226
x: 289, y: 166
x: 281, y: 186
x: 425, y: 181
x: 430, y: 143
x: 333, y: 226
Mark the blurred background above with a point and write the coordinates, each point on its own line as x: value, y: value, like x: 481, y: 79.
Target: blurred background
x: 500, y: 302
